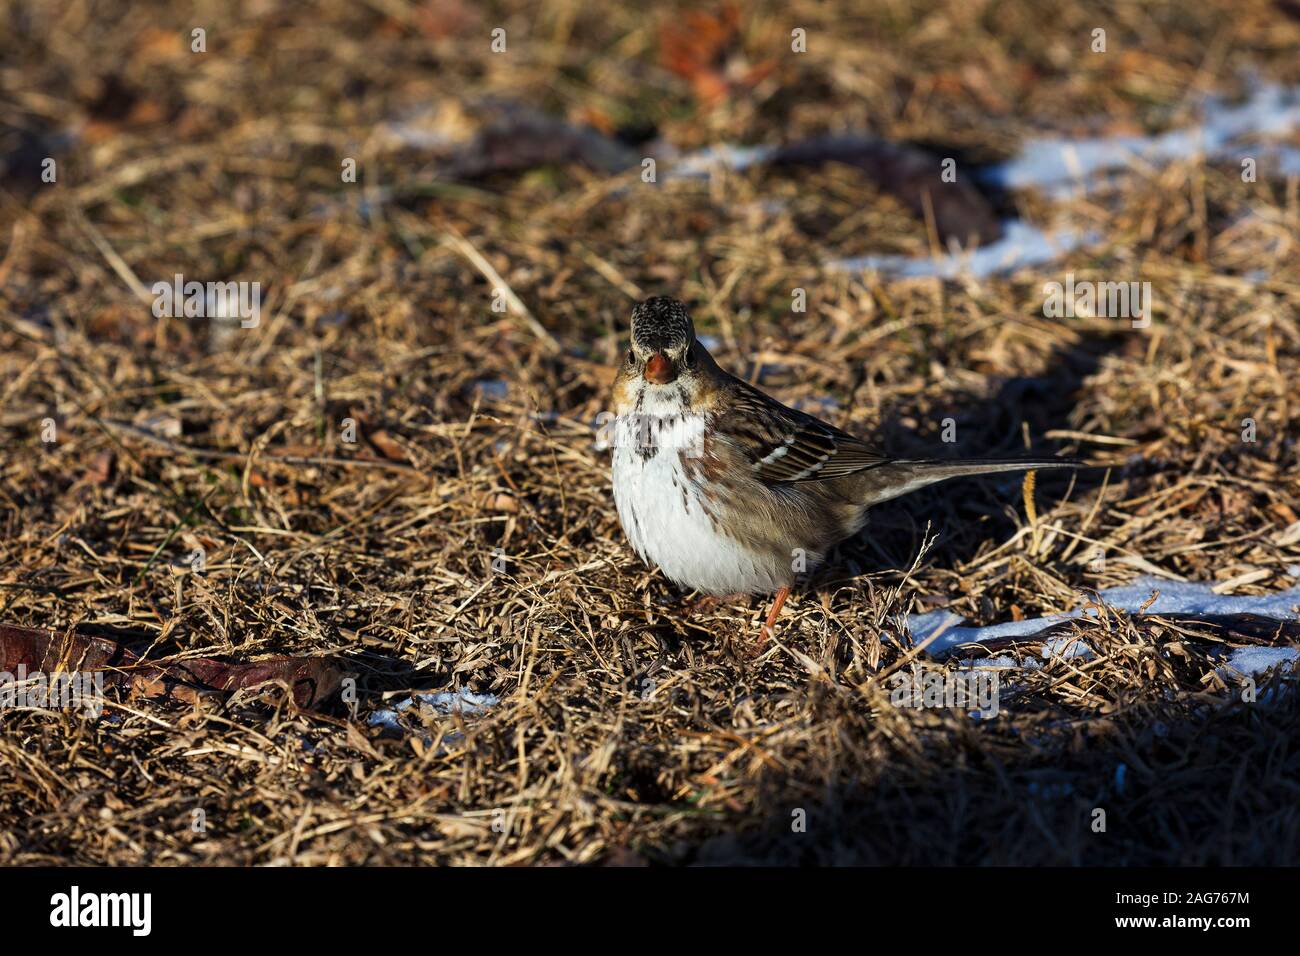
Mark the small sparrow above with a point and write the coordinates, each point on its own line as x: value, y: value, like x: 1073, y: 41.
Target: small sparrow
x: 730, y: 492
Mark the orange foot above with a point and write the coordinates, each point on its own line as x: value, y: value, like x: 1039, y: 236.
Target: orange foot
x: 777, y: 604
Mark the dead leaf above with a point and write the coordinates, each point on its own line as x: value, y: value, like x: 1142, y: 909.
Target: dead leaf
x: 310, y: 680
x: 101, y: 468
x: 386, y: 446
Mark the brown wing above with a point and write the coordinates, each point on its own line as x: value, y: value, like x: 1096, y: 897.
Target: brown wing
x: 784, y: 445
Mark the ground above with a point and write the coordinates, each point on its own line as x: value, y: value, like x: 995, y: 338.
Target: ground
x: 466, y: 540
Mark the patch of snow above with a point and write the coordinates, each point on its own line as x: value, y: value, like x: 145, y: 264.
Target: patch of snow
x: 1000, y: 662
x: 463, y: 701
x: 388, y: 719
x: 944, y: 624
x: 1054, y: 162
x: 704, y: 162
x: 1190, y: 597
x: 1067, y: 647
x: 930, y: 623
x: 413, y: 136
x: 1021, y: 246
x: 1060, y: 166
x: 492, y: 388
x: 948, y: 629
x: 1249, y: 661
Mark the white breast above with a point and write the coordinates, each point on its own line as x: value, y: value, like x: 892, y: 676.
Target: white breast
x: 669, y: 524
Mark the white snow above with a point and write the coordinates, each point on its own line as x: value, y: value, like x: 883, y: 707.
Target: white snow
x: 494, y: 388
x: 463, y: 701
x: 1190, y: 597
x: 1055, y: 161
x: 1066, y: 647
x: 1001, y: 662
x: 1061, y: 166
x: 1248, y: 661
x: 704, y: 162
x: 945, y: 623
x: 1176, y: 597
x: 1022, y: 245
x: 1061, y: 163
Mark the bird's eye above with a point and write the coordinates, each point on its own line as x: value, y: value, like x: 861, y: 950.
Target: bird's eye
x: 631, y: 357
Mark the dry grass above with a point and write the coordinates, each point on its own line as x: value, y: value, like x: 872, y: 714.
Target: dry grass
x: 227, y: 165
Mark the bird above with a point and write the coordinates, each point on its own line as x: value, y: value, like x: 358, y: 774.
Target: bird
x: 726, y: 490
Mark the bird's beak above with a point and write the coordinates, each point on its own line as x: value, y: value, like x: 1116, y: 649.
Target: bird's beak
x: 659, y: 369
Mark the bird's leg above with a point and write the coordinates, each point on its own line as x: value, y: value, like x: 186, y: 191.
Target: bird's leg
x: 781, y: 595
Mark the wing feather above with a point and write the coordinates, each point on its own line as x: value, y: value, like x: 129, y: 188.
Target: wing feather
x: 782, y: 445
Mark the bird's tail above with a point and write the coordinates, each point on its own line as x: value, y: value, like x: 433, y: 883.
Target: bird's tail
x: 903, y: 477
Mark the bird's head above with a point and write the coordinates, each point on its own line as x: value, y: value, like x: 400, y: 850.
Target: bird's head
x: 663, y: 341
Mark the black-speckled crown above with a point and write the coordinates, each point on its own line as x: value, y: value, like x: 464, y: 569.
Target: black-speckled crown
x: 661, y: 324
